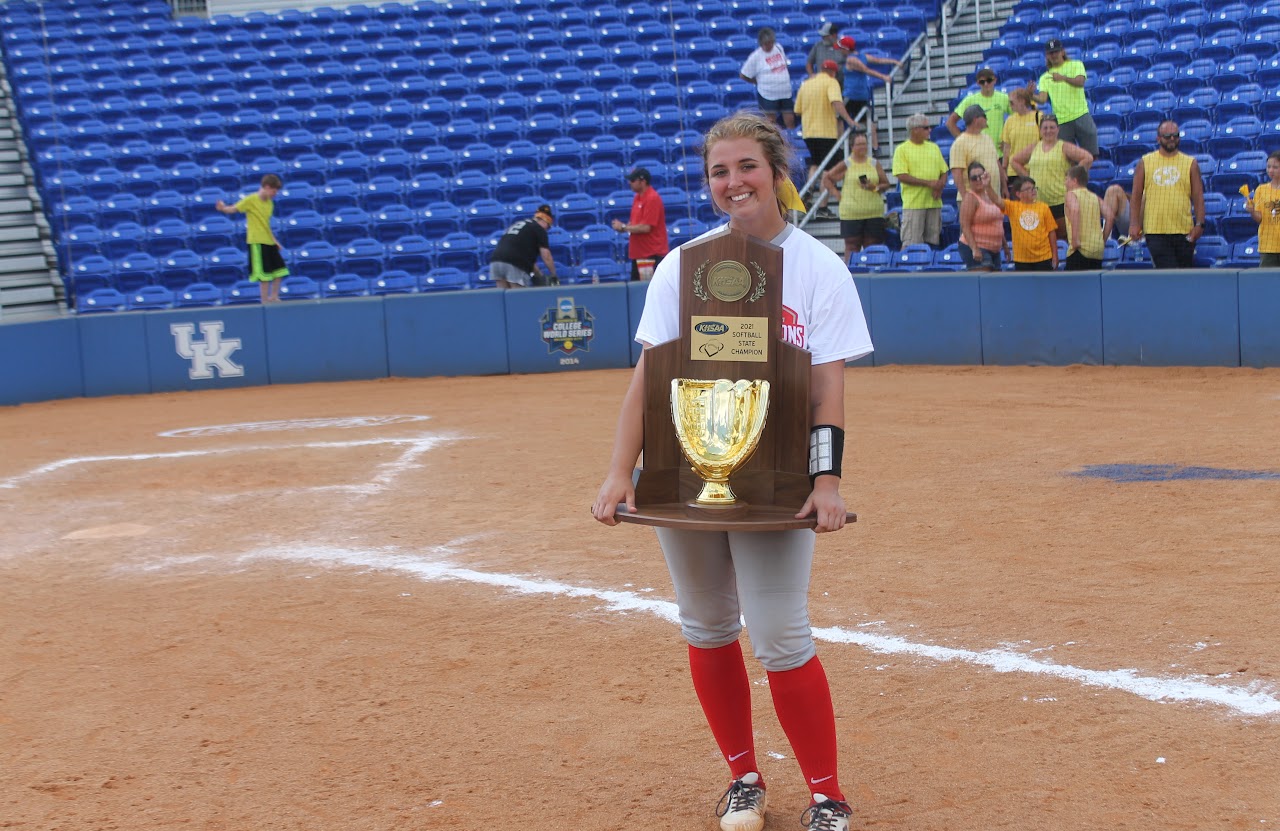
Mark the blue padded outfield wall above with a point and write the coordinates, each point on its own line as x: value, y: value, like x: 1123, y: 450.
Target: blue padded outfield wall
x: 1150, y: 318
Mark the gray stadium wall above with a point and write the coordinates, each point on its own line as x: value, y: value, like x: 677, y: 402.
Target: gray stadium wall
x: 1149, y: 318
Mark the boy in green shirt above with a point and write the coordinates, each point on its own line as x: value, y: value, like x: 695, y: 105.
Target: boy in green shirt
x: 266, y: 265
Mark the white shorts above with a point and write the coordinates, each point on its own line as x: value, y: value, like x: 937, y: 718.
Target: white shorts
x: 722, y: 577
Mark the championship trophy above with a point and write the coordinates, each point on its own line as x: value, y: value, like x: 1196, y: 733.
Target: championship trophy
x: 726, y: 412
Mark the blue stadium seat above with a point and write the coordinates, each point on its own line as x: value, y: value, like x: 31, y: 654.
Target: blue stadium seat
x: 146, y: 297
x: 135, y: 269
x: 344, y: 285
x: 348, y: 223
x: 301, y: 227
x: 363, y: 256
x: 585, y: 124
x: 393, y: 221
x: 1245, y: 254
x: 299, y: 288
x: 1234, y: 136
x: 381, y: 191
x: 873, y: 257
x: 575, y: 211
x: 412, y: 252
x: 1194, y: 105
x: 557, y: 181
x: 514, y: 183
x: 1211, y: 251
x: 198, y: 294
x: 167, y: 236
x: 224, y: 266
x: 1243, y: 100
x: 180, y: 268
x: 566, y: 151
x: 438, y: 218
x: 598, y: 241
x: 485, y: 217
x: 317, y: 259
x: 444, y: 279
x: 394, y: 161
x: 543, y: 127
x: 602, y: 178
x: 101, y: 300
x: 393, y: 282
x: 459, y: 250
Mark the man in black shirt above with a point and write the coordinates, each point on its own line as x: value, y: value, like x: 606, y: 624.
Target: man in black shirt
x: 517, y: 252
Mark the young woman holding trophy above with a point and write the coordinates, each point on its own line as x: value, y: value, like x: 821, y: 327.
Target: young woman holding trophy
x: 763, y: 575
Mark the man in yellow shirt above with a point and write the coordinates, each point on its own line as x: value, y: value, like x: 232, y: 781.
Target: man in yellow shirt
x: 818, y: 102
x: 974, y: 145
x: 1167, y: 188
x: 266, y: 265
x: 922, y: 174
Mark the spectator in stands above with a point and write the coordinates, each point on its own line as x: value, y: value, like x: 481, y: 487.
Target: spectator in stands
x: 992, y: 101
x: 1117, y: 199
x: 646, y: 228
x: 825, y: 50
x: 1062, y: 84
x: 981, y: 221
x: 1264, y: 206
x: 922, y: 174
x: 819, y: 101
x: 862, y: 220
x: 858, y: 92
x: 1167, y: 190
x: 1022, y: 127
x: 514, y: 261
x: 1047, y: 161
x: 266, y: 263
x: 766, y: 69
x: 974, y: 145
x: 1089, y: 221
x: 1035, y: 234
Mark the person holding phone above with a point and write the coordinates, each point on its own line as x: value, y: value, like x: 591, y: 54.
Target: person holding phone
x: 862, y: 221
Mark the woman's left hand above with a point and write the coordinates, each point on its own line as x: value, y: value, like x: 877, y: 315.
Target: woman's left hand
x: 826, y: 503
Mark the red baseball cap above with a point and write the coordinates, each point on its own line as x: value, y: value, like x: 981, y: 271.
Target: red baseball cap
x: 832, y: 65
x: 846, y: 42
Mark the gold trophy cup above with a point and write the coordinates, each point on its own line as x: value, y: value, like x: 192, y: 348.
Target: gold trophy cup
x: 718, y: 424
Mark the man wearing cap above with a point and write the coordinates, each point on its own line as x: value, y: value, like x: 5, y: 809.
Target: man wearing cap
x: 1062, y: 85
x: 517, y: 251
x: 647, y: 226
x: 974, y: 145
x: 819, y: 101
x: 825, y: 50
x: 858, y: 93
x: 766, y: 69
x: 922, y: 174
x: 992, y: 101
x: 1167, y: 207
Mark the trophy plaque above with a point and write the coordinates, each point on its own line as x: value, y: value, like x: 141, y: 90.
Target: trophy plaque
x: 726, y: 412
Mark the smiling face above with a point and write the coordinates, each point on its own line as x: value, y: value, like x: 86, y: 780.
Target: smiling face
x: 1049, y: 130
x: 859, y: 147
x: 744, y: 186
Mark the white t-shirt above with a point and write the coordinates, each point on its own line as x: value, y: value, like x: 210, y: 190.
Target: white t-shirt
x: 769, y: 69
x: 820, y: 307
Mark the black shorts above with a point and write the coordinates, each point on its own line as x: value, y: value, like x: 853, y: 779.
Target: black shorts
x: 870, y: 231
x: 819, y: 148
x: 854, y: 107
x: 266, y: 263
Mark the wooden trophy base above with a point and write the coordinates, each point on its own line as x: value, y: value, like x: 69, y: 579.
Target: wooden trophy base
x: 741, y: 517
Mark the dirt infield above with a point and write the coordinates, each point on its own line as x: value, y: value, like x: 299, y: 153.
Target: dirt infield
x: 384, y: 605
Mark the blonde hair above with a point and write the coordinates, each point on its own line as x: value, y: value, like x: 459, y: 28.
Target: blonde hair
x: 749, y: 125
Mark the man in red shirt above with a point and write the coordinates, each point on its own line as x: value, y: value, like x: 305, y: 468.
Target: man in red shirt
x: 647, y: 226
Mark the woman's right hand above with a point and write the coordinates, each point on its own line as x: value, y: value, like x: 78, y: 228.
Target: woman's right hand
x: 617, y: 488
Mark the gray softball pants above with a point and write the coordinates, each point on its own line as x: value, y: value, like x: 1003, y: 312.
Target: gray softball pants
x: 722, y: 577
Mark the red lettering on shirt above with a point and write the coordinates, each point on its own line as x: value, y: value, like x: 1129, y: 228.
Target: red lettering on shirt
x: 792, y: 328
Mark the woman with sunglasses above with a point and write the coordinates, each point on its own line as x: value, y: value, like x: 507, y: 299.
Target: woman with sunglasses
x: 981, y: 222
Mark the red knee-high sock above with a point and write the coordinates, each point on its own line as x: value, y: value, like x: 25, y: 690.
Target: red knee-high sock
x: 802, y: 699
x: 720, y: 680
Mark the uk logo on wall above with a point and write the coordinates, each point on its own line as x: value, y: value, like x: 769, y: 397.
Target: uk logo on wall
x: 212, y: 353
x: 567, y: 328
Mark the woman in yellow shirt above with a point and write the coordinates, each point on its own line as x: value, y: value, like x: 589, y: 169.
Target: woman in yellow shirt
x: 1264, y: 207
x: 1021, y: 129
x: 1047, y: 161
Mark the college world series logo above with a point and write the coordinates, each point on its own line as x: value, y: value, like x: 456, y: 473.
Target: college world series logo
x: 567, y: 328
x: 214, y: 352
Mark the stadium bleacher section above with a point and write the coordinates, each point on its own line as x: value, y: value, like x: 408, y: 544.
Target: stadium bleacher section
x: 410, y: 134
